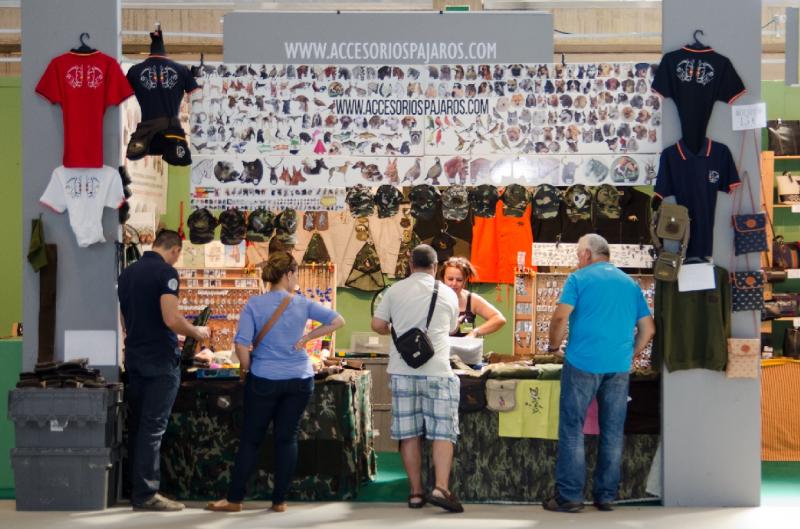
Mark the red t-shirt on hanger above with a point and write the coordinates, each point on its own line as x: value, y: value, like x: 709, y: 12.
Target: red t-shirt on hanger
x: 84, y: 84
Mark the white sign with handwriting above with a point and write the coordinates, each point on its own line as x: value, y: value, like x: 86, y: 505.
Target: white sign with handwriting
x: 747, y: 117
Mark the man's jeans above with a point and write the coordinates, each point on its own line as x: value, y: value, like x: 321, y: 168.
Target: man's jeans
x: 150, y: 400
x: 281, y: 402
x: 578, y: 388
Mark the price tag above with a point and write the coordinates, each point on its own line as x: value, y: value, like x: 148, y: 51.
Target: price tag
x: 795, y: 208
x: 793, y: 273
x: 747, y: 117
x: 56, y: 426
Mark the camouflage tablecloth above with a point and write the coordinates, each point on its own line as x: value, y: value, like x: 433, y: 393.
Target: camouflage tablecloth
x: 336, y: 446
x: 489, y: 468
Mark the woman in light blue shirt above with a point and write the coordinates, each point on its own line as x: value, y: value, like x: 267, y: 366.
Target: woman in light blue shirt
x: 279, y: 377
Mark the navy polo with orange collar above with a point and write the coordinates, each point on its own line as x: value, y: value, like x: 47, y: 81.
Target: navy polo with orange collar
x: 694, y: 178
x: 695, y: 78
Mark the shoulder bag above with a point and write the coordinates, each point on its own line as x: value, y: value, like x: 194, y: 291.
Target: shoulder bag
x: 414, y: 345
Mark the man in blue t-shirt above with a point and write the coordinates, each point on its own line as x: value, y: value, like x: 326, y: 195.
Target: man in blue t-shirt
x: 602, y: 306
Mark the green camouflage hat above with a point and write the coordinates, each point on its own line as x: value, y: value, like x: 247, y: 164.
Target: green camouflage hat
x: 366, y: 274
x: 546, y: 201
x: 387, y: 200
x: 316, y: 252
x: 483, y: 200
x: 596, y: 170
x: 359, y: 200
x: 260, y: 225
x: 455, y: 203
x: 424, y: 201
x: 515, y: 199
x: 201, y: 226
x: 606, y: 202
x: 233, y: 227
x: 286, y: 227
x: 578, y: 200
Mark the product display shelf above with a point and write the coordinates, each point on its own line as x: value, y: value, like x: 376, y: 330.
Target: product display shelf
x: 318, y: 282
x: 536, y: 295
x: 225, y: 290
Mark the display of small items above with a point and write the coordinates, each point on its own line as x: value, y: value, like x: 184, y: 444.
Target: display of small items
x: 317, y: 282
x: 536, y: 298
x: 226, y: 291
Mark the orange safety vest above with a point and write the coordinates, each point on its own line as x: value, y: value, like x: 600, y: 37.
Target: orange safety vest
x: 495, y: 243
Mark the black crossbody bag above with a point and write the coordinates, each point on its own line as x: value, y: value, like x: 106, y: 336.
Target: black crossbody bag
x: 414, y: 345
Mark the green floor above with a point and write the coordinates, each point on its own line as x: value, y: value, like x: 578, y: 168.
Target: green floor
x: 780, y: 482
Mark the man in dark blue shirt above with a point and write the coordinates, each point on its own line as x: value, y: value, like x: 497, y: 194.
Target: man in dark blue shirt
x: 148, y: 297
x: 694, y: 178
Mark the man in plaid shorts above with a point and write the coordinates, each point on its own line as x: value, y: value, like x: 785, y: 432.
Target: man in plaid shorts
x: 424, y: 399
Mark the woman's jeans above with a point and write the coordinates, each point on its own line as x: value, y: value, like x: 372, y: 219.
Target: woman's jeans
x: 281, y: 402
x: 578, y: 388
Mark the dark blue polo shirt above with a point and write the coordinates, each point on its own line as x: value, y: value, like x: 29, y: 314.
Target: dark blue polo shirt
x: 150, y: 346
x: 694, y: 179
x: 695, y: 79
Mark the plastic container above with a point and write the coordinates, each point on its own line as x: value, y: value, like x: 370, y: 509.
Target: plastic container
x: 66, y: 417
x: 369, y: 342
x: 69, y: 479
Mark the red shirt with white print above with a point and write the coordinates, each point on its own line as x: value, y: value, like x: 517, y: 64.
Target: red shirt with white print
x: 84, y: 84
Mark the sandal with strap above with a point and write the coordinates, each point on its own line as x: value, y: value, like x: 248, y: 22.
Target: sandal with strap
x: 416, y: 504
x: 446, y: 501
x: 228, y: 507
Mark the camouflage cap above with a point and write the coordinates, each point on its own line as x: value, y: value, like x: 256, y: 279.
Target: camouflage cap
x: 483, y: 200
x: 316, y: 252
x: 260, y: 225
x: 515, y: 199
x: 359, y: 200
x: 546, y: 201
x: 387, y: 199
x: 233, y: 227
x: 202, y: 224
x: 286, y: 227
x: 424, y: 201
x: 455, y: 203
x: 578, y: 200
x: 606, y: 202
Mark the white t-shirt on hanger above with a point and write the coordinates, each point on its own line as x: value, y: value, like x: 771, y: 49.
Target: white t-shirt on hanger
x: 84, y: 193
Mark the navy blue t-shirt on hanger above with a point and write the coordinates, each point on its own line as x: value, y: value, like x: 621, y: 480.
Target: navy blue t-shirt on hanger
x: 694, y: 178
x: 159, y: 84
x: 695, y: 78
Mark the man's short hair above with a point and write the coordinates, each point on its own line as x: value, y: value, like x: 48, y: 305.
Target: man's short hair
x: 423, y: 257
x: 596, y: 244
x: 168, y: 239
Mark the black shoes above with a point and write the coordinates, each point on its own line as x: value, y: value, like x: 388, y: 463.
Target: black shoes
x: 554, y: 505
x: 605, y: 507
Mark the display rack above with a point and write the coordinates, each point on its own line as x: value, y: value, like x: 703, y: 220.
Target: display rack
x: 225, y: 290
x: 318, y: 282
x: 536, y: 297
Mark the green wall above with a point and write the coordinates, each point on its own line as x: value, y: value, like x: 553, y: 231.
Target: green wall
x: 10, y: 204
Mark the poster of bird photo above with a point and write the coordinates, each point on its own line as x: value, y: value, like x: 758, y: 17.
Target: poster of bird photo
x: 317, y: 126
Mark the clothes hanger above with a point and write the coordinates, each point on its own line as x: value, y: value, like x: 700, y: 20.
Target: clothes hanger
x: 84, y: 47
x: 697, y: 45
x: 157, y: 41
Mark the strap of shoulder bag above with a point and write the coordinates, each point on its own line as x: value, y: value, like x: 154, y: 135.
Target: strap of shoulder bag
x: 275, y: 315
x: 433, y: 304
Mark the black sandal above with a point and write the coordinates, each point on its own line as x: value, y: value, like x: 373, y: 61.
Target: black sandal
x: 416, y: 504
x: 446, y: 501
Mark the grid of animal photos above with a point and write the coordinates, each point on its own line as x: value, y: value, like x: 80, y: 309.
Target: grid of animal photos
x: 254, y: 110
x: 264, y: 178
x: 564, y: 254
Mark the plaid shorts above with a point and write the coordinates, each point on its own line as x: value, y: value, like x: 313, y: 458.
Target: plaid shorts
x: 425, y: 406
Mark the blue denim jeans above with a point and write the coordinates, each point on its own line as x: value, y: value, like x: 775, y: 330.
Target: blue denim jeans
x: 578, y: 388
x: 150, y: 400
x: 281, y: 402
